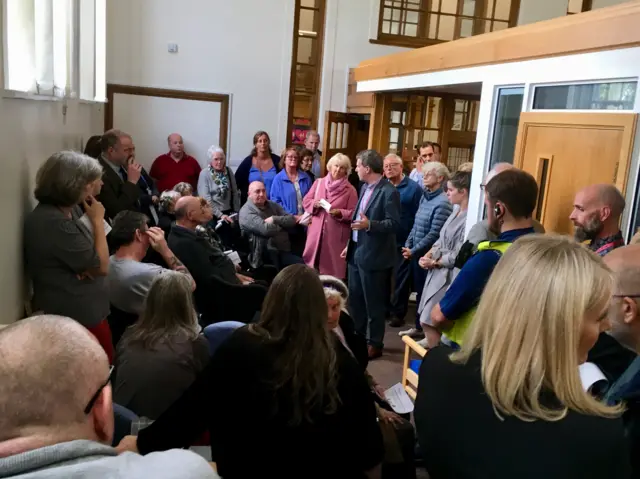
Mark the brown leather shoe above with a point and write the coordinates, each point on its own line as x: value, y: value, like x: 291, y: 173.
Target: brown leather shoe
x: 374, y: 353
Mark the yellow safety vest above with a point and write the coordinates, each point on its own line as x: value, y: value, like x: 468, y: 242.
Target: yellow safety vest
x: 460, y: 325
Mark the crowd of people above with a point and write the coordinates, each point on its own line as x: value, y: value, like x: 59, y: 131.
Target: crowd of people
x: 240, y: 310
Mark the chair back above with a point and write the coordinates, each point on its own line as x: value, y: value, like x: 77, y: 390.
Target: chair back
x: 411, y: 367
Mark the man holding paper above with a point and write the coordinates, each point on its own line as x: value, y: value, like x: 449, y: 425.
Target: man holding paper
x: 330, y: 203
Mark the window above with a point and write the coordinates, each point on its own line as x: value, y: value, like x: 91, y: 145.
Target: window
x: 578, y: 6
x: 505, y: 130
x: 417, y: 23
x: 56, y: 47
x: 586, y: 96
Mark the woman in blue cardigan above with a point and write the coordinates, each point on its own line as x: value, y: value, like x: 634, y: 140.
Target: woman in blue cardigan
x: 288, y: 189
x: 261, y: 165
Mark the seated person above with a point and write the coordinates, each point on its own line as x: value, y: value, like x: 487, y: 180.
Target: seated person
x: 266, y: 225
x: 281, y: 391
x: 515, y: 382
x: 130, y: 279
x: 185, y: 189
x: 163, y: 352
x: 205, y: 260
x: 166, y: 211
x: 57, y: 412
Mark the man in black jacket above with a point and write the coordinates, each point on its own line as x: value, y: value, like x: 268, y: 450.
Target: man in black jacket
x: 222, y: 293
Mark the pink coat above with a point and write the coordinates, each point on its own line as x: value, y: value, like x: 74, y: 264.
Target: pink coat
x: 327, y: 236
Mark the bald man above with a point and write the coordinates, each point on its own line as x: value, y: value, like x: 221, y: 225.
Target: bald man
x: 175, y: 166
x: 596, y: 217
x: 202, y: 254
x: 56, y: 412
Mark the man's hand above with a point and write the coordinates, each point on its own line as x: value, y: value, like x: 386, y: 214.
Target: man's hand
x: 389, y: 417
x: 227, y: 219
x: 361, y: 224
x: 128, y: 444
x: 94, y: 209
x: 269, y: 220
x: 157, y: 239
x: 134, y: 170
x: 245, y: 279
x: 155, y: 199
x: 343, y: 255
x: 406, y: 253
x: 335, y: 213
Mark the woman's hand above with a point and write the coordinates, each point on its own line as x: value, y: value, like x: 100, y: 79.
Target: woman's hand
x: 387, y: 417
x: 128, y: 444
x: 336, y: 213
x: 94, y: 209
x: 426, y: 262
x: 316, y: 204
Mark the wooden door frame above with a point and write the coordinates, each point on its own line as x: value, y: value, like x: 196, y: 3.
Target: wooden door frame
x: 626, y: 122
x: 223, y: 99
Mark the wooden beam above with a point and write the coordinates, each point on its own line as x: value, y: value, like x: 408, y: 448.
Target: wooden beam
x: 602, y: 29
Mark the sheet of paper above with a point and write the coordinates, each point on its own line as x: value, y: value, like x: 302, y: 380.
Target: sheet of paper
x: 84, y: 219
x: 398, y: 399
x: 325, y: 204
x: 305, y: 217
x: 233, y: 256
x: 590, y: 374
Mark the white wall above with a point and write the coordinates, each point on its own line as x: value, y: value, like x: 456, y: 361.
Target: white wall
x: 30, y: 131
x: 238, y: 47
x: 538, y: 10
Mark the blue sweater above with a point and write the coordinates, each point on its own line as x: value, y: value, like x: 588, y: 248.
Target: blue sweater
x: 284, y: 193
x: 432, y: 213
x: 410, y: 196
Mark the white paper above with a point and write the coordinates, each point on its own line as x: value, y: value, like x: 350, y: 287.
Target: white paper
x: 233, y: 256
x: 84, y: 219
x: 325, y: 204
x: 305, y: 217
x: 590, y: 374
x: 398, y: 399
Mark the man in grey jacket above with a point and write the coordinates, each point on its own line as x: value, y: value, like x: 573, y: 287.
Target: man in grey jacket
x: 56, y: 414
x: 265, y: 224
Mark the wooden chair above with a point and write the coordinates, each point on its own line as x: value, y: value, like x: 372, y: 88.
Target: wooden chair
x: 409, y: 376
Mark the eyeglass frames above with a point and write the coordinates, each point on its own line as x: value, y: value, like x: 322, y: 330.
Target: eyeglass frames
x: 94, y: 398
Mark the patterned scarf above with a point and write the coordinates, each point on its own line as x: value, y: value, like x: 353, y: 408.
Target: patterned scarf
x: 220, y: 179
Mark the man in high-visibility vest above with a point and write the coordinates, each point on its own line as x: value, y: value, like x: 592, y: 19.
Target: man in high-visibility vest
x: 510, y: 198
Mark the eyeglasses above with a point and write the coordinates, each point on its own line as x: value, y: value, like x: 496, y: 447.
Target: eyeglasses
x: 625, y: 295
x: 94, y: 398
x: 482, y: 186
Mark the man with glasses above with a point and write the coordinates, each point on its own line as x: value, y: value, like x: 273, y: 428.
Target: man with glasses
x: 410, y: 196
x: 56, y: 411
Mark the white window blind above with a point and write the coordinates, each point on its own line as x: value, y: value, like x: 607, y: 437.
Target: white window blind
x: 44, y: 54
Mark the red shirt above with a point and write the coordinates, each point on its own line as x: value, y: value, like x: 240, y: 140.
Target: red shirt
x: 168, y: 172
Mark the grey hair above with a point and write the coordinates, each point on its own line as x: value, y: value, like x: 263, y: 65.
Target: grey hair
x: 213, y: 149
x: 341, y: 160
x: 168, y: 315
x: 182, y: 187
x: 313, y: 133
x: 49, y: 389
x: 440, y: 169
x: 335, y: 289
x: 111, y: 138
x: 167, y: 198
x: 372, y: 159
x: 63, y: 178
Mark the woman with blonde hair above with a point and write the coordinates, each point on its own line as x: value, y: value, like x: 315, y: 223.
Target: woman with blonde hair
x: 330, y: 227
x: 510, y: 403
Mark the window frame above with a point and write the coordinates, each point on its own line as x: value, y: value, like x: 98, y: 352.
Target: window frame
x: 421, y: 41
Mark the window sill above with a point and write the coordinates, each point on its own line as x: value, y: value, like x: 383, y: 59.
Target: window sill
x: 399, y: 42
x: 23, y: 95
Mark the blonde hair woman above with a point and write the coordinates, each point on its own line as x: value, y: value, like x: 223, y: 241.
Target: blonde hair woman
x: 330, y: 230
x: 510, y: 403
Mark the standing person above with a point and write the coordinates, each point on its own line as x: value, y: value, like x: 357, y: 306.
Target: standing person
x: 370, y: 251
x: 68, y: 259
x: 596, y: 216
x: 306, y: 161
x: 410, y: 196
x: 516, y: 379
x: 175, y: 166
x: 261, y: 165
x: 290, y: 386
x: 329, y: 231
x: 439, y: 260
x: 510, y: 199
x: 311, y: 143
x: 427, y: 151
x: 288, y: 189
x: 433, y: 212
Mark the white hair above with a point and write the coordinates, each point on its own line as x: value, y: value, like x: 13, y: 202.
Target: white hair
x: 440, y: 169
x: 213, y: 149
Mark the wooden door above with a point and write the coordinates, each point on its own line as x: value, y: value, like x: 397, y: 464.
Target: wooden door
x: 340, y: 131
x: 568, y: 151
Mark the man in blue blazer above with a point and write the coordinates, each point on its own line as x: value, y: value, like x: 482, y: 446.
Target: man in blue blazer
x: 371, y: 250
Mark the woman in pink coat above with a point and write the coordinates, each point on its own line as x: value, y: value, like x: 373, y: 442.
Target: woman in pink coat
x: 329, y: 231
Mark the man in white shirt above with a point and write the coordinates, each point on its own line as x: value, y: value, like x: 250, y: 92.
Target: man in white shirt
x: 312, y: 142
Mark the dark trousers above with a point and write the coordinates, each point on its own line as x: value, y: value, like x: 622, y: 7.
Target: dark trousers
x: 409, y: 277
x: 369, y: 293
x: 282, y: 259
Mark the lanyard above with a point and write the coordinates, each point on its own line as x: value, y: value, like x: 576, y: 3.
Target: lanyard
x: 615, y: 244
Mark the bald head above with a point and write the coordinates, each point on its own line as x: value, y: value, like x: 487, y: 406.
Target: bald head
x: 50, y: 367
x: 192, y: 211
x: 625, y: 264
x: 596, y: 212
x: 605, y: 195
x: 497, y: 169
x: 176, y: 145
x: 258, y: 193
